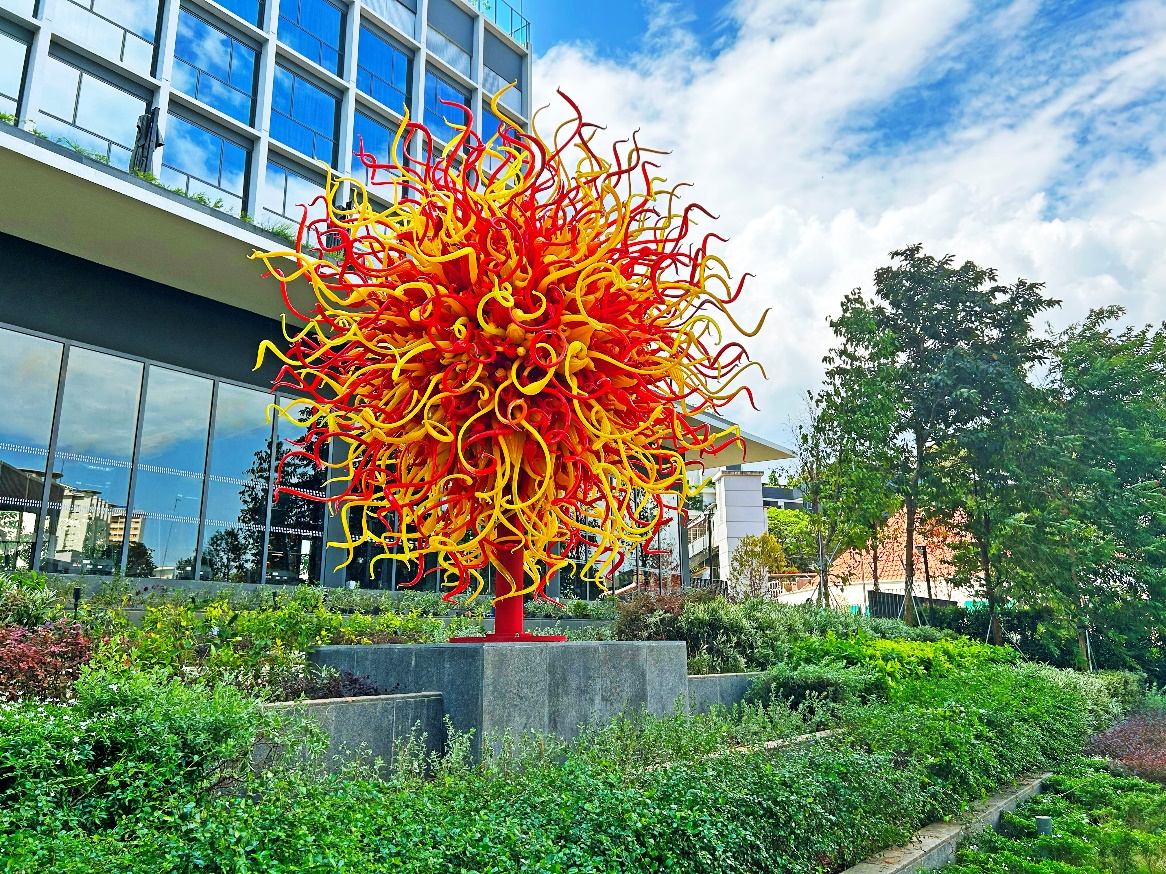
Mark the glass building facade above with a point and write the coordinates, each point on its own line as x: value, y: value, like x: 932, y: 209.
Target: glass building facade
x: 246, y: 89
x: 155, y: 471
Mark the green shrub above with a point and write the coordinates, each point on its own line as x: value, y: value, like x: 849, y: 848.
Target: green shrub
x: 975, y: 730
x: 26, y: 599
x: 900, y: 660
x: 827, y: 682
x: 725, y: 636
x: 131, y: 745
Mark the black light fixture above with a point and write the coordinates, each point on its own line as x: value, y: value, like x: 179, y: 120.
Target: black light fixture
x: 76, y: 600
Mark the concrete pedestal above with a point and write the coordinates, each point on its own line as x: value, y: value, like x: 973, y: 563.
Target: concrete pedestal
x: 552, y: 688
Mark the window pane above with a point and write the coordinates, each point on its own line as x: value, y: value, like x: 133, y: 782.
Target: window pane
x: 13, y: 55
x: 286, y: 193
x: 59, y: 90
x: 168, y: 488
x: 91, y: 466
x: 90, y: 112
x: 237, y: 493
x: 32, y: 366
x: 213, y: 67
x: 296, y: 542
x: 437, y: 113
x: 203, y: 163
x: 121, y: 30
x: 137, y: 16
x: 303, y: 116
x: 383, y: 71
x: 377, y: 139
x: 249, y: 10
x: 108, y: 112
x: 315, y: 29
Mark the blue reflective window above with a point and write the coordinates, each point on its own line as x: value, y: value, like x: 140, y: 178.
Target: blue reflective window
x: 201, y: 162
x: 492, y: 124
x: 315, y: 29
x: 377, y: 140
x: 383, y: 71
x: 437, y: 114
x: 303, y: 116
x: 213, y: 67
x: 250, y: 11
x: 167, y: 498
x: 236, y: 507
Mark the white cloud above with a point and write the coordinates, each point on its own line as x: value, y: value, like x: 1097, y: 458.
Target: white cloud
x: 1042, y: 173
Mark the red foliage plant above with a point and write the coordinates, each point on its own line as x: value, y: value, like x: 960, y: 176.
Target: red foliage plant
x: 1138, y: 744
x: 42, y: 663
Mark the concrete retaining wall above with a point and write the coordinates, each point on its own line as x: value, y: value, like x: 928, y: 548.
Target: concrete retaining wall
x: 707, y: 690
x: 935, y: 845
x: 552, y: 688
x: 370, y: 727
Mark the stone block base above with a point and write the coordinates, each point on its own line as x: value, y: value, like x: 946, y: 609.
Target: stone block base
x: 495, y: 689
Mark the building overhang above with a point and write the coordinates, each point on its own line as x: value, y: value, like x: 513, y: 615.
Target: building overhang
x: 755, y: 449
x: 61, y: 199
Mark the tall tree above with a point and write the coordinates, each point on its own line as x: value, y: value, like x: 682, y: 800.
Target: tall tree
x: 944, y: 342
x: 1093, y: 538
x: 841, y: 488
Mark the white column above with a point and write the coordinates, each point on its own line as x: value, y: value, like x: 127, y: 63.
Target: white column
x: 167, y: 35
x: 263, y: 110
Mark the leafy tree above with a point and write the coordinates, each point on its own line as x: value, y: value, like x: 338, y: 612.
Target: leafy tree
x: 1091, y: 539
x: 754, y: 558
x: 942, y: 344
x: 835, y: 479
x: 794, y: 530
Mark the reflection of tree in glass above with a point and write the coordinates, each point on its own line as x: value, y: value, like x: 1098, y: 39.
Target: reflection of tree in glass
x: 226, y: 555
x: 140, y: 560
x: 16, y: 537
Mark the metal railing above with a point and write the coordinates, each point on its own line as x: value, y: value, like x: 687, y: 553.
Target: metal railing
x: 509, y: 19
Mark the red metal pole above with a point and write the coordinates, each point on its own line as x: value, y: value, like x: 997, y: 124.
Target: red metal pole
x: 508, y: 611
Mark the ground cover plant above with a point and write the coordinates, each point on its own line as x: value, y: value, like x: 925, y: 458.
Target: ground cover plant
x: 1102, y: 822
x: 645, y: 794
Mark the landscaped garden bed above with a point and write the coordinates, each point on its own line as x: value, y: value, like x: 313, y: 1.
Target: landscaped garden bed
x: 1099, y: 822
x: 147, y: 763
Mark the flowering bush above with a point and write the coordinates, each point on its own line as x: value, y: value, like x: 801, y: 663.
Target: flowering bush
x: 42, y: 663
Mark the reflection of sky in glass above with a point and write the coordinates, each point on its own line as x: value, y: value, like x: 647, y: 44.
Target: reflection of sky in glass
x: 98, y: 417
x: 437, y: 113
x: 12, y: 56
x: 303, y: 116
x: 198, y: 152
x: 100, y: 108
x: 314, y: 29
x: 170, y: 463
x: 382, y: 70
x: 137, y: 16
x: 241, y: 431
x: 285, y: 192
x: 248, y: 10
x: 227, y: 67
x: 30, y: 366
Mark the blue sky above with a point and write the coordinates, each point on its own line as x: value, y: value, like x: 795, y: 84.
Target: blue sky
x: 1025, y: 135
x: 616, y: 28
